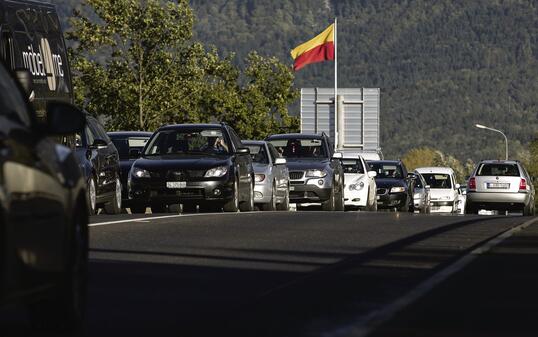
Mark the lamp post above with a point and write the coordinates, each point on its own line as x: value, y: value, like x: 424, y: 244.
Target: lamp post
x: 480, y: 126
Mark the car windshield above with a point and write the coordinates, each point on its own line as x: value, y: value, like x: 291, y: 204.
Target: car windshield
x: 187, y: 141
x: 386, y: 171
x: 418, y: 182
x: 300, y: 147
x: 258, y: 154
x: 437, y: 180
x: 126, y: 144
x: 352, y: 166
x: 509, y: 170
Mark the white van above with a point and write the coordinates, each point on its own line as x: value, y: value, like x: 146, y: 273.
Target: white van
x: 444, y: 194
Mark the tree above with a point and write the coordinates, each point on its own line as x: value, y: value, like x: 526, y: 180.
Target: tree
x: 425, y: 157
x: 533, y: 162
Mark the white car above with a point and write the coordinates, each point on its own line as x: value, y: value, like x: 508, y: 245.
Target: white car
x: 359, y: 184
x: 444, y: 191
x: 463, y: 199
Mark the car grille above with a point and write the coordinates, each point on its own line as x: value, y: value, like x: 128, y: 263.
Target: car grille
x: 381, y: 191
x: 295, y: 175
x: 178, y: 175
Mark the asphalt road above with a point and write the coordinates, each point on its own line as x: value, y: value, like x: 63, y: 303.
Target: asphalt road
x: 265, y: 274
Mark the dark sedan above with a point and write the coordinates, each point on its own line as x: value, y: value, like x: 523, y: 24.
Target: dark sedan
x: 43, y: 210
x: 194, y: 165
x: 129, y: 145
x: 394, y: 185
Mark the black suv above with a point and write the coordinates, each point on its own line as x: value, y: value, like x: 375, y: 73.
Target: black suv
x: 202, y: 165
x: 43, y: 209
x: 316, y: 174
x: 100, y: 163
x: 394, y: 184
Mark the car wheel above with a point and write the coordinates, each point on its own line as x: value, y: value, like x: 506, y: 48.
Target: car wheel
x: 65, y: 310
x: 159, y: 208
x: 339, y: 201
x: 138, y: 209
x: 404, y: 208
x: 271, y: 205
x: 329, y: 205
x: 248, y: 205
x: 189, y: 208
x: 285, y: 205
x: 92, y: 195
x: 114, y: 206
x: 233, y: 204
x: 470, y: 209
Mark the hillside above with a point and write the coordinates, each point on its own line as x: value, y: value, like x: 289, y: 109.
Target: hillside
x: 442, y: 66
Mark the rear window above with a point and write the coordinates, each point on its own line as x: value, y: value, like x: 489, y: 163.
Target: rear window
x: 504, y: 170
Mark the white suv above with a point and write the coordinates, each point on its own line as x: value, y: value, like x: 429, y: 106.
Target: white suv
x: 444, y: 196
x: 501, y: 185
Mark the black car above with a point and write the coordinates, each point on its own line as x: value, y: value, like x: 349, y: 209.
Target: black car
x: 394, y: 184
x: 193, y: 164
x: 100, y: 163
x: 316, y: 173
x: 43, y: 209
x: 129, y: 145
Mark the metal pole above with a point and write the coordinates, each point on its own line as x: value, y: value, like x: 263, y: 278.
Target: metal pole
x: 336, y: 145
x: 499, y: 131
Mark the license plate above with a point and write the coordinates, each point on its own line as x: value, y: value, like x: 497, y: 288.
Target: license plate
x: 498, y: 185
x: 292, y: 188
x: 176, y: 184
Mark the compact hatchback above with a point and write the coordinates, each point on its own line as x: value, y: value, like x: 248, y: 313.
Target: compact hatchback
x: 203, y: 165
x: 444, y: 190
x: 501, y: 185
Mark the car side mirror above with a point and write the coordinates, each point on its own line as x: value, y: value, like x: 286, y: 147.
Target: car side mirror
x: 280, y: 161
x: 243, y: 150
x: 458, y: 186
x: 372, y: 174
x: 427, y: 187
x: 134, y: 153
x: 63, y: 119
x: 24, y: 77
x: 99, y: 143
x: 338, y: 155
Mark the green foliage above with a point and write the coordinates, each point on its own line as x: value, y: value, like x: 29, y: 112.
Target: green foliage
x: 532, y: 166
x: 426, y: 157
x: 136, y: 63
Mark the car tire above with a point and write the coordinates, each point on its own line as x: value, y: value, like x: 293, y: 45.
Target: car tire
x: 271, y: 205
x: 527, y: 210
x: 114, y: 206
x: 404, y: 208
x: 64, y: 311
x: 285, y: 205
x: 189, y: 208
x: 339, y: 201
x: 248, y: 205
x: 92, y: 195
x: 138, y: 209
x: 330, y: 204
x: 470, y: 209
x: 233, y: 204
x: 160, y: 208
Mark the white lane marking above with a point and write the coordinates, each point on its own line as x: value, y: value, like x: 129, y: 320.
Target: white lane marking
x: 160, y: 217
x: 367, y: 324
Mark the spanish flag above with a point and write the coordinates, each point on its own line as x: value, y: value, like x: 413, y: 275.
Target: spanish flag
x: 320, y: 48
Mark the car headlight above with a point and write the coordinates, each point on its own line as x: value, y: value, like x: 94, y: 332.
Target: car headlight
x: 216, y: 172
x: 356, y: 187
x: 397, y: 189
x: 259, y: 178
x: 140, y: 173
x: 316, y: 173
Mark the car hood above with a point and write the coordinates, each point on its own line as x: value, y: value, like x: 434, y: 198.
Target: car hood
x: 441, y: 193
x: 386, y: 183
x: 351, y: 178
x: 307, y: 164
x: 180, y: 162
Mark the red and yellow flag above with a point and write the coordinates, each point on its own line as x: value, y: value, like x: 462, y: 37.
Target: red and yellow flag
x: 320, y: 48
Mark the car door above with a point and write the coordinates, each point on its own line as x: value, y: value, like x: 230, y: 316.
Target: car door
x: 107, y: 161
x: 244, y: 164
x: 33, y: 195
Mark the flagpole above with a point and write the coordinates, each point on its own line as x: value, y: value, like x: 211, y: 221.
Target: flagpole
x: 336, y: 145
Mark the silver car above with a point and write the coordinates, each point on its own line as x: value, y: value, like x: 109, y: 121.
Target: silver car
x: 421, y: 194
x: 271, y: 191
x: 500, y: 185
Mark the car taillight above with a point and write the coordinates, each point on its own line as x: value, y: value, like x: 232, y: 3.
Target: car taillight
x: 523, y: 184
x: 472, y: 184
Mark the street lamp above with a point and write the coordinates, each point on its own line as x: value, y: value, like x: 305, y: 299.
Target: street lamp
x: 480, y: 126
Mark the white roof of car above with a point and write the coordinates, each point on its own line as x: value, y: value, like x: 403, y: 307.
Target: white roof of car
x: 442, y: 170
